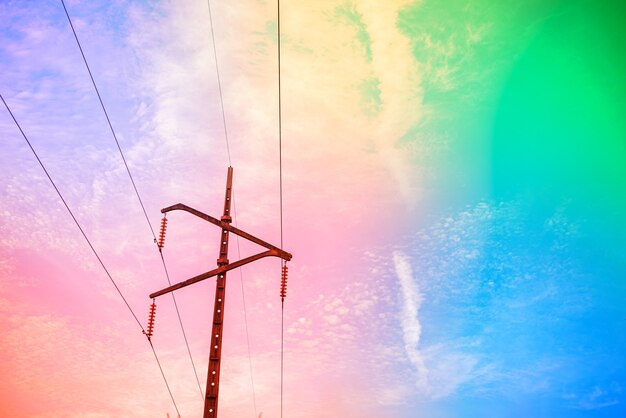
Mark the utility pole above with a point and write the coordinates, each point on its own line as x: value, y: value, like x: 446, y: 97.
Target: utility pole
x: 223, y: 266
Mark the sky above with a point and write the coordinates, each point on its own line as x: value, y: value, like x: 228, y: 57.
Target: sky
x: 454, y: 184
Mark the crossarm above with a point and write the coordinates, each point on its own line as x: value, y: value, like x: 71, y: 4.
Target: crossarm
x: 225, y: 225
x: 221, y: 269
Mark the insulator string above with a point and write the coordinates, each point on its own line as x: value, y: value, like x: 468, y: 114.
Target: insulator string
x: 151, y: 320
x: 161, y: 243
x: 283, y: 283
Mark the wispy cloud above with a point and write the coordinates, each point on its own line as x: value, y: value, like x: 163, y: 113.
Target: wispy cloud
x: 411, y: 327
x: 598, y: 398
x: 442, y: 368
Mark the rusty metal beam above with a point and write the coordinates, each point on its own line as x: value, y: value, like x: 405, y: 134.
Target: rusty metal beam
x: 215, y: 272
x: 215, y: 358
x: 224, y: 225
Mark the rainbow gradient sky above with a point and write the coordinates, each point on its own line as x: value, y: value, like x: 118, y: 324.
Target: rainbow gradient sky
x: 454, y: 178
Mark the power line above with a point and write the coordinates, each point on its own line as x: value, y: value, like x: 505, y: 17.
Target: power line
x: 280, y: 132
x: 163, y: 374
x: 280, y: 175
x: 88, y: 242
x: 70, y: 212
x: 181, y: 327
x: 106, y: 114
x: 219, y: 83
x: 245, y: 311
x: 130, y: 176
x: 243, y: 294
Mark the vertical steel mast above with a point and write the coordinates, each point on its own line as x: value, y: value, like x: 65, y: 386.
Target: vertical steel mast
x: 213, y: 378
x: 223, y: 266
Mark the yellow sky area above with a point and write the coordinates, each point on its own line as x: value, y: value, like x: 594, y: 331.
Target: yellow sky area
x: 326, y: 65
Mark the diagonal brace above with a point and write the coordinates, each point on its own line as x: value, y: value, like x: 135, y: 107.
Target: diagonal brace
x: 227, y: 226
x: 215, y: 272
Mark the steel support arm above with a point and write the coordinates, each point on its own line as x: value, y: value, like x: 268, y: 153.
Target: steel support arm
x: 224, y: 225
x: 215, y: 272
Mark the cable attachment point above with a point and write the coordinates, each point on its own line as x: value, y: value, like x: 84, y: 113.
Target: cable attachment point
x: 151, y: 320
x: 161, y: 243
x: 283, y: 283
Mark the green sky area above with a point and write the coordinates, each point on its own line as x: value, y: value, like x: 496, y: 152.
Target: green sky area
x: 560, y: 119
x: 525, y: 96
x: 527, y: 101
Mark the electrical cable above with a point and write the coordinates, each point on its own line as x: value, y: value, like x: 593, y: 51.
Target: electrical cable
x: 134, y: 187
x: 180, y: 321
x: 243, y: 295
x: 245, y: 312
x: 88, y: 241
x: 71, y: 213
x: 106, y: 114
x: 280, y: 132
x: 280, y: 175
x: 163, y: 374
x: 219, y: 83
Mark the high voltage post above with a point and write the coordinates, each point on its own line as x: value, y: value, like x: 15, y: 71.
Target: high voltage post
x: 223, y: 266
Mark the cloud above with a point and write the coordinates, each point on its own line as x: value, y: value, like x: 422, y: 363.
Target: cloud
x: 597, y: 398
x: 400, y: 88
x: 411, y: 327
x: 439, y: 369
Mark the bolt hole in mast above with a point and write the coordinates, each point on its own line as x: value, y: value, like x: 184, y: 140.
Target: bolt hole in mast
x: 223, y: 265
